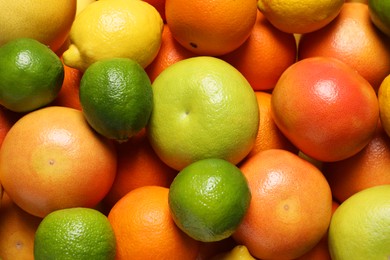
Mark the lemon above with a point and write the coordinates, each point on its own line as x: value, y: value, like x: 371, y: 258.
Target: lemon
x: 239, y: 252
x: 116, y: 97
x: 75, y: 233
x: 31, y: 75
x: 208, y: 199
x: 384, y: 104
x: 203, y: 108
x: 114, y: 28
x: 360, y: 226
x: 47, y: 21
x: 300, y: 16
x: 380, y: 14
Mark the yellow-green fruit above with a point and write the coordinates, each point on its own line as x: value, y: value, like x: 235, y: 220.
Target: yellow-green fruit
x: 384, y: 104
x: 75, y: 233
x: 114, y: 28
x: 239, y: 252
x: 116, y: 97
x: 31, y: 75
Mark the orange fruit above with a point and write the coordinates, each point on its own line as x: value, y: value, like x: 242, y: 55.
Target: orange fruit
x: 290, y: 209
x: 370, y: 167
x: 211, y: 27
x: 17, y: 231
x: 354, y: 39
x: 159, y: 5
x: 144, y: 228
x: 321, y: 250
x: 264, y: 56
x: 69, y: 93
x: 170, y: 52
x: 325, y: 108
x: 52, y: 159
x: 268, y: 136
x: 138, y: 165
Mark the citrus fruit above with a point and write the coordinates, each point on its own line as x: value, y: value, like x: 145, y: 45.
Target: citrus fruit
x: 335, y: 114
x: 81, y: 4
x: 170, y: 52
x: 210, y: 249
x: 290, y: 209
x: 268, y: 136
x: 49, y: 22
x: 159, y: 5
x: 114, y: 29
x: 239, y: 252
x: 31, y: 75
x: 144, y: 228
x: 203, y: 108
x: 264, y: 56
x: 138, y: 165
x: 17, y: 231
x: 116, y: 97
x: 300, y: 16
x: 51, y: 159
x: 69, y: 93
x: 384, y: 103
x: 369, y: 167
x: 360, y: 226
x: 208, y: 199
x: 7, y: 119
x: 75, y: 233
x: 212, y: 27
x: 353, y: 39
x: 379, y: 13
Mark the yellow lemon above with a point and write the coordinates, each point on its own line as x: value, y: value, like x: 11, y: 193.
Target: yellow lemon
x: 300, y: 16
x: 114, y: 29
x: 47, y: 21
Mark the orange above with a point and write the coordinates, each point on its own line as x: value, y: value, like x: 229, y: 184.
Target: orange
x: 354, y: 39
x: 325, y: 108
x: 144, y: 228
x: 138, y: 165
x: 370, y: 167
x: 268, y: 136
x: 159, y: 5
x: 52, y: 159
x: 17, y: 230
x: 265, y: 55
x: 69, y: 93
x: 321, y: 250
x: 170, y: 52
x: 211, y: 27
x: 290, y: 209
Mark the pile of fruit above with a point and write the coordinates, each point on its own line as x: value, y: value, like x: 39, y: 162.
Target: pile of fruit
x: 171, y: 129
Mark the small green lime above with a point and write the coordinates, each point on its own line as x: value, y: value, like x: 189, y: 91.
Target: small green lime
x: 116, y: 97
x: 31, y: 75
x: 75, y: 233
x: 208, y: 199
x: 380, y: 14
x: 360, y: 226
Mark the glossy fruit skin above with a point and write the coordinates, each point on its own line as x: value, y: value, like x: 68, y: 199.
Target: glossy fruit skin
x: 379, y: 13
x: 330, y: 113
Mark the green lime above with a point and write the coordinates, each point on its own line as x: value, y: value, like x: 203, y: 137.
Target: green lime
x: 360, y: 226
x: 75, y: 233
x: 116, y: 97
x: 31, y: 75
x: 203, y: 108
x: 380, y: 14
x: 208, y: 199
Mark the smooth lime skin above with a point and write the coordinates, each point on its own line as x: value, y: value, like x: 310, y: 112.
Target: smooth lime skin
x: 208, y: 199
x: 360, y: 226
x: 75, y: 233
x: 31, y: 75
x: 116, y: 97
x: 380, y: 14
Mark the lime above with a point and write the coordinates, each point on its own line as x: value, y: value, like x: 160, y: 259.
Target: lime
x: 115, y: 28
x: 380, y: 14
x: 116, y: 97
x: 31, y: 75
x: 75, y: 233
x: 208, y: 199
x: 360, y: 226
x: 203, y: 108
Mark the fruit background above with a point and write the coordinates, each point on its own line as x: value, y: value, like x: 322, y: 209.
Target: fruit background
x: 169, y: 129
